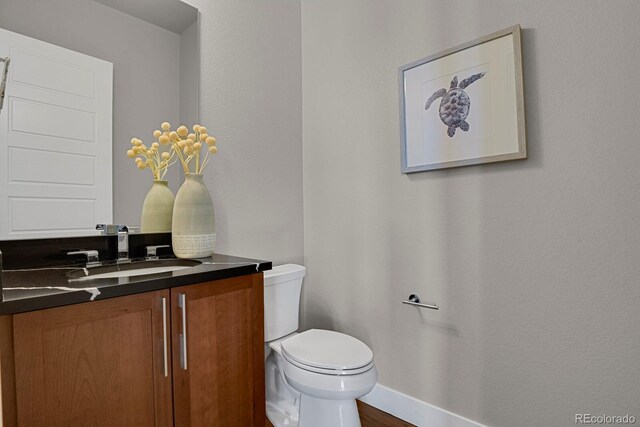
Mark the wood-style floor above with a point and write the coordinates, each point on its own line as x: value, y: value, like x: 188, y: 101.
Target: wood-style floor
x: 372, y: 417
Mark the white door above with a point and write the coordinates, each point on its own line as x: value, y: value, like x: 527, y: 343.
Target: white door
x: 55, y: 140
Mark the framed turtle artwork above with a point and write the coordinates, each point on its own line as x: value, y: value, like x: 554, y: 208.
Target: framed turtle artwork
x: 464, y: 106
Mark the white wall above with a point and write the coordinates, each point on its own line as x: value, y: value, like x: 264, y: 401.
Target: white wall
x: 534, y: 263
x: 146, y: 74
x: 251, y: 100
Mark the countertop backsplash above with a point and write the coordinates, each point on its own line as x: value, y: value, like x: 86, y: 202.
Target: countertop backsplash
x: 17, y: 254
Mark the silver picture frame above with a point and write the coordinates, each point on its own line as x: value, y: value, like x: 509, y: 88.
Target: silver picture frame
x: 474, y: 123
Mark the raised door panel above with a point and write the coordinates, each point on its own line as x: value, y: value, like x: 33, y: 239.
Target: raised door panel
x: 222, y: 383
x: 98, y: 364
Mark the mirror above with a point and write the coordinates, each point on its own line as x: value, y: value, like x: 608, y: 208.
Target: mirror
x: 153, y: 46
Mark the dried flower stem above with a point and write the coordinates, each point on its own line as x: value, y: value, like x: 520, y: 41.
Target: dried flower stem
x: 185, y: 147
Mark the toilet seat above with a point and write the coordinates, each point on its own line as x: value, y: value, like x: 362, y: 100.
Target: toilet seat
x: 327, y: 352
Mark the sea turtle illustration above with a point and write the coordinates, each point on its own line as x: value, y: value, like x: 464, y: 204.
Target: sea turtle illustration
x: 454, y: 107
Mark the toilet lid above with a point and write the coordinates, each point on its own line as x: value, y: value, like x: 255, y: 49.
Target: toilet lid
x: 322, y: 349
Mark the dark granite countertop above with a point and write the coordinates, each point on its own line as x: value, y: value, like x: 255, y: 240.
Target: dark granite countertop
x: 34, y: 288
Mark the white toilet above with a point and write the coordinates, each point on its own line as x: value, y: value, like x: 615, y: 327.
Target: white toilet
x: 312, y: 377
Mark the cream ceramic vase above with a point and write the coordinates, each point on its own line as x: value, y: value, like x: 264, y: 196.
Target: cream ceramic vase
x: 157, y: 209
x: 194, y: 224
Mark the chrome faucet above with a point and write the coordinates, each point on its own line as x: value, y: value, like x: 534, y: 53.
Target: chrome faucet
x: 122, y: 231
x: 123, y: 244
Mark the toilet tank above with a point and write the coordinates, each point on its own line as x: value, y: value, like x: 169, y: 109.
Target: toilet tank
x: 282, y: 286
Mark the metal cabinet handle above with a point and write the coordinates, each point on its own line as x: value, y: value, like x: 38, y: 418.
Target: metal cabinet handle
x: 414, y: 299
x: 165, y: 358
x: 182, y: 303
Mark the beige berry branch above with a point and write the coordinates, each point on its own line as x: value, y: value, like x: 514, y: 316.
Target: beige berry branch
x: 185, y: 147
x: 152, y: 158
x: 188, y: 147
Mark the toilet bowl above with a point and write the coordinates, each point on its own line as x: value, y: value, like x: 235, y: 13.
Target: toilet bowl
x: 312, y: 377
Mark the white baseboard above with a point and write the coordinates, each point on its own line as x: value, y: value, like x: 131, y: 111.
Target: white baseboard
x: 413, y: 410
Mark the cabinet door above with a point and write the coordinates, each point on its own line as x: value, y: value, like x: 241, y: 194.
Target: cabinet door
x: 95, y: 364
x: 218, y: 353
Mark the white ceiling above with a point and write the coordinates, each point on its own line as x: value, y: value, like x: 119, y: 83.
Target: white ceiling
x: 173, y: 15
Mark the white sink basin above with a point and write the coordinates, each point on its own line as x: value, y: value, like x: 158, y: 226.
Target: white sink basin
x: 129, y: 273
x: 142, y: 268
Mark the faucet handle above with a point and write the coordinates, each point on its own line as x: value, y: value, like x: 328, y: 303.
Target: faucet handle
x: 110, y: 229
x: 107, y: 229
x: 93, y: 257
x: 152, y: 251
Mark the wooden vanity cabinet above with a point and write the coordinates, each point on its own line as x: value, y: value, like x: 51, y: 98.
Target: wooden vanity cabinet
x: 103, y: 363
x: 98, y: 363
x: 222, y: 383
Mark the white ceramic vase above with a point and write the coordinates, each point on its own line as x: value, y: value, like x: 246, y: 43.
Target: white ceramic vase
x: 157, y: 209
x: 194, y: 224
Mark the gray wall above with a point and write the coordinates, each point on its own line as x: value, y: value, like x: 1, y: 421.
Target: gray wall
x: 189, y: 76
x: 146, y: 76
x: 534, y: 263
x: 251, y: 100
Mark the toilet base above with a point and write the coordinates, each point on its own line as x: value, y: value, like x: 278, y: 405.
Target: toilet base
x: 316, y: 412
x: 282, y: 400
x: 279, y: 418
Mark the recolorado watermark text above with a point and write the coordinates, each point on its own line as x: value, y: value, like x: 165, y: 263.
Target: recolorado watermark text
x: 605, y: 419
